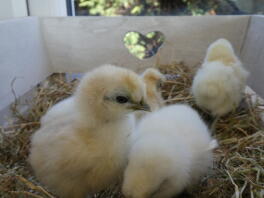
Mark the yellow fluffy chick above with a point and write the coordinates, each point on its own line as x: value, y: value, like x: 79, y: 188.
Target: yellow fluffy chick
x: 83, y: 141
x: 153, y: 79
x: 219, y: 84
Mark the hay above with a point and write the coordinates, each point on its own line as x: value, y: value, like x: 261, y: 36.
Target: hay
x: 238, y: 166
x: 239, y: 160
x: 16, y: 178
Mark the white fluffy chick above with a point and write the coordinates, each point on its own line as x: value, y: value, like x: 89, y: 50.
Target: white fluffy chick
x: 58, y: 111
x: 83, y: 141
x: 171, y: 150
x: 219, y: 84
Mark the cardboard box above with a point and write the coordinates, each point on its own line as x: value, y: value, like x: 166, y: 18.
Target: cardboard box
x: 33, y: 48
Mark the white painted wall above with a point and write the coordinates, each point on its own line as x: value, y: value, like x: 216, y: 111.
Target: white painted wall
x: 19, y: 8
x: 48, y: 7
x: 12, y: 8
x: 22, y: 56
x: 6, y: 9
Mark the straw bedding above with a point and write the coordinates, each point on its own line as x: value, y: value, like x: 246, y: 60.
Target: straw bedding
x: 238, y: 165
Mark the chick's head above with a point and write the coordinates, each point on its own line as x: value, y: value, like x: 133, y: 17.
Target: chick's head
x: 222, y: 51
x: 153, y: 80
x: 109, y: 92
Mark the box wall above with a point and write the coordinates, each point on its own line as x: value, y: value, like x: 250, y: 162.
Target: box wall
x: 253, y: 54
x: 22, y: 58
x: 80, y: 43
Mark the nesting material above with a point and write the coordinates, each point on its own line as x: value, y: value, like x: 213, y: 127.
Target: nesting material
x: 239, y: 160
x: 238, y: 166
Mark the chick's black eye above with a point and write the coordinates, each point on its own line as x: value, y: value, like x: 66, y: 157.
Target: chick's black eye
x: 121, y: 99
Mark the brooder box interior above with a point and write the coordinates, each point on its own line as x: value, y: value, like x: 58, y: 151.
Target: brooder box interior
x: 34, y: 48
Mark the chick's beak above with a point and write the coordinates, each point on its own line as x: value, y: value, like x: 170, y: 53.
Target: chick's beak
x: 140, y: 106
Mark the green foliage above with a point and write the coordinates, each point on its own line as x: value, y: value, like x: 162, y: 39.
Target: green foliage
x: 201, y: 7
x: 143, y: 46
x: 119, y: 7
x: 134, y: 44
x: 157, y: 7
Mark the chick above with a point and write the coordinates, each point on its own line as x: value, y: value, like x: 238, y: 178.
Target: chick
x: 168, y: 153
x: 219, y: 84
x: 83, y: 142
x: 58, y: 111
x: 153, y: 79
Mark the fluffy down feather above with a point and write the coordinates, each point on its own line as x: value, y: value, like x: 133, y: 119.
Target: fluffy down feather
x: 153, y: 80
x: 83, y: 141
x: 168, y: 153
x: 58, y: 111
x: 219, y: 84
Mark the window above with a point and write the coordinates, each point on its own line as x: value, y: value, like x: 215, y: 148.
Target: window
x: 164, y: 7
